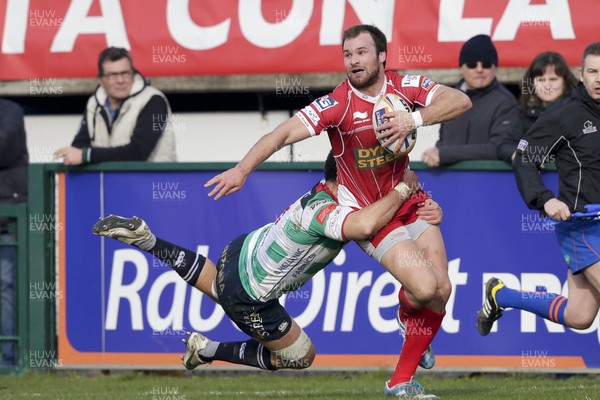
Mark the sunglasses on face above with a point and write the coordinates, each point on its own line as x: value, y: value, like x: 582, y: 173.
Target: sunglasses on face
x: 484, y: 64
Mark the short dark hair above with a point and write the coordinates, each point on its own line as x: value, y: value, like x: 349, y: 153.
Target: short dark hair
x: 112, y: 54
x: 330, y: 168
x: 538, y: 68
x: 377, y: 35
x: 593, y: 49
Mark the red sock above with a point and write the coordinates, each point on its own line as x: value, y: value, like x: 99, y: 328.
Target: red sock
x: 406, y: 308
x: 421, y: 327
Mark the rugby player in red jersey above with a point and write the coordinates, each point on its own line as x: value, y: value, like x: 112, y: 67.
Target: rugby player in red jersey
x: 411, y: 250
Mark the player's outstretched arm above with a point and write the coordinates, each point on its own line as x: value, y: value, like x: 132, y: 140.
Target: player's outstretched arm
x: 366, y: 222
x: 232, y: 180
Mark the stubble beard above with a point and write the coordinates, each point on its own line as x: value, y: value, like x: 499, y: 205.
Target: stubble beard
x: 370, y: 81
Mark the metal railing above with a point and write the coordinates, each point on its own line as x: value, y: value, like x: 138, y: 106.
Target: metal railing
x: 14, y: 280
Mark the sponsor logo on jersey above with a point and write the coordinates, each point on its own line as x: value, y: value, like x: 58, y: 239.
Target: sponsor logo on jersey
x: 322, y: 215
x: 333, y: 219
x: 180, y: 258
x: 312, y: 115
x: 373, y: 157
x: 522, y: 145
x: 325, y: 102
x: 410, y: 81
x: 304, y: 120
x: 588, y: 127
x: 427, y: 84
x: 282, y: 326
x: 242, y: 350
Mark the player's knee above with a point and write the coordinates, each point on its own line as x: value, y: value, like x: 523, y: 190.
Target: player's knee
x: 425, y: 293
x: 444, y: 291
x: 298, y: 355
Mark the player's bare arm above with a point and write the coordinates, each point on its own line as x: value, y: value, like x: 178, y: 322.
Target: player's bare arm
x: 232, y: 180
x: 446, y: 104
x: 366, y: 222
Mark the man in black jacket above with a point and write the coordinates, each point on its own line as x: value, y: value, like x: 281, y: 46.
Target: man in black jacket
x: 476, y: 134
x: 14, y: 161
x: 568, y: 133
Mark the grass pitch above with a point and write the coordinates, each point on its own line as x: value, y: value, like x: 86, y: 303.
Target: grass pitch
x: 208, y: 384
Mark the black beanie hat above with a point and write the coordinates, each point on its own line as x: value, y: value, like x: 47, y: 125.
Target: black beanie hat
x: 478, y: 48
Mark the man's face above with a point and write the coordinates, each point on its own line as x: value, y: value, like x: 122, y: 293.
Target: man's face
x: 362, y: 63
x: 478, y: 75
x: 117, y: 79
x: 590, y: 76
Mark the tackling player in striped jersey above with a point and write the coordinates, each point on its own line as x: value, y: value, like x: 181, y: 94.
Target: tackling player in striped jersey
x: 256, y: 269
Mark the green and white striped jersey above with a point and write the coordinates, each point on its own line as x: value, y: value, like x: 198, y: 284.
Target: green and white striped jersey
x: 281, y: 256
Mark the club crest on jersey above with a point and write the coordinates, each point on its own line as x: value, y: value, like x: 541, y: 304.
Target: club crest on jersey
x: 325, y: 102
x: 360, y: 117
x: 588, y: 127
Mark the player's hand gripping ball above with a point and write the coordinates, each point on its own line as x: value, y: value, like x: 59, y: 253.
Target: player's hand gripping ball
x: 392, y: 102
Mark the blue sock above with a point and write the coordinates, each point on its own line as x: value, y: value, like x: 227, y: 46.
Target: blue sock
x: 550, y: 306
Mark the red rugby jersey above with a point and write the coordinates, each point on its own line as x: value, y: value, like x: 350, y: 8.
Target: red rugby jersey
x: 366, y: 171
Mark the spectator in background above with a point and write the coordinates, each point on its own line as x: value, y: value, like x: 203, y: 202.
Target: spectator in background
x: 14, y: 161
x: 476, y: 134
x: 125, y: 120
x: 547, y: 80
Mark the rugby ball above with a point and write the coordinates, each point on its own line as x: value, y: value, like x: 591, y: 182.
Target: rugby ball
x: 393, y: 102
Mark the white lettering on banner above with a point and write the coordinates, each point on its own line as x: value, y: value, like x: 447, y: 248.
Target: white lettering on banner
x: 194, y: 37
x: 377, y: 12
x: 15, y: 26
x: 272, y: 35
x: 202, y: 249
x: 333, y: 300
x: 453, y: 27
x: 356, y: 283
x: 77, y: 22
x: 117, y: 290
x: 174, y: 318
x: 377, y: 301
x: 449, y: 324
x: 555, y: 12
x: 197, y: 322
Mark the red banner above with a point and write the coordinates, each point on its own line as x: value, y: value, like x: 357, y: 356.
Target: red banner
x: 62, y: 38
